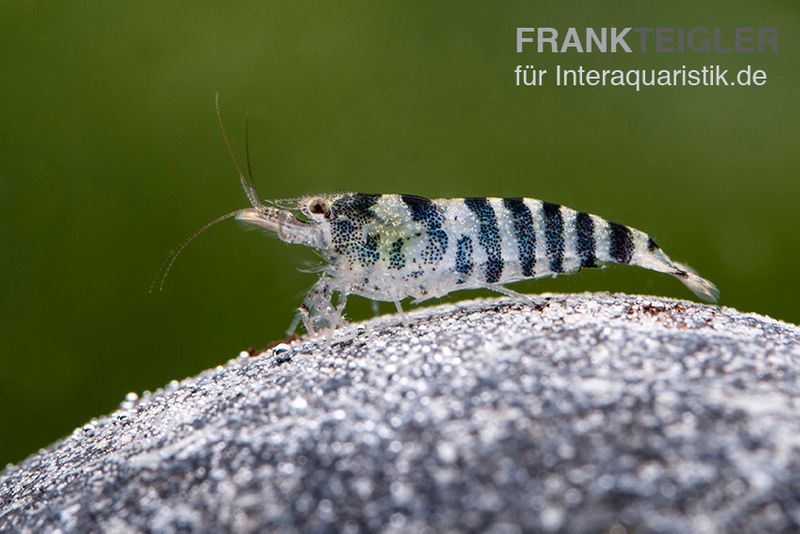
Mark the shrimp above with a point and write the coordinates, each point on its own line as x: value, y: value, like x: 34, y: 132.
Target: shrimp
x: 391, y: 247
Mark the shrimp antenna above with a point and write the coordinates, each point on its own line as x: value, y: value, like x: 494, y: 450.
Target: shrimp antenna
x: 247, y: 150
x: 163, y: 271
x: 248, y: 185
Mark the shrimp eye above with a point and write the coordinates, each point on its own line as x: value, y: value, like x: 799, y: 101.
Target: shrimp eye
x: 318, y: 206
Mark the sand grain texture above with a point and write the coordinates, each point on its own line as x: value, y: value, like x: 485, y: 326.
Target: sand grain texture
x: 577, y: 413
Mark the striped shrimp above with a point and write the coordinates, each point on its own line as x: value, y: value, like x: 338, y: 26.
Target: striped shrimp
x: 389, y: 247
x: 393, y: 247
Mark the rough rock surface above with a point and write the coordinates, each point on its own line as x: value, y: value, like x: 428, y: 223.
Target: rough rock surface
x: 577, y: 412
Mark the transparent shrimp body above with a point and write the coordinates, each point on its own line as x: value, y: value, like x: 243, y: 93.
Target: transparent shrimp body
x: 393, y: 247
x: 389, y: 247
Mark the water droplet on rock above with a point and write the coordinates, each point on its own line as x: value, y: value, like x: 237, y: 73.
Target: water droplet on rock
x: 279, y: 348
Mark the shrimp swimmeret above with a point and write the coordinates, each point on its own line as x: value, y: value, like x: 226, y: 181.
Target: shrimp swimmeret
x: 389, y: 247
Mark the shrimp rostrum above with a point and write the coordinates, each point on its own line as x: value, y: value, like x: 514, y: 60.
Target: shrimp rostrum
x: 389, y: 247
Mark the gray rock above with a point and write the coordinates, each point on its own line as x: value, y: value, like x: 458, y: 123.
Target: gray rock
x: 579, y: 413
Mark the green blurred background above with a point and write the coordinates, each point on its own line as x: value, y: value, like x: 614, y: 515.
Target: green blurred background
x: 110, y: 155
